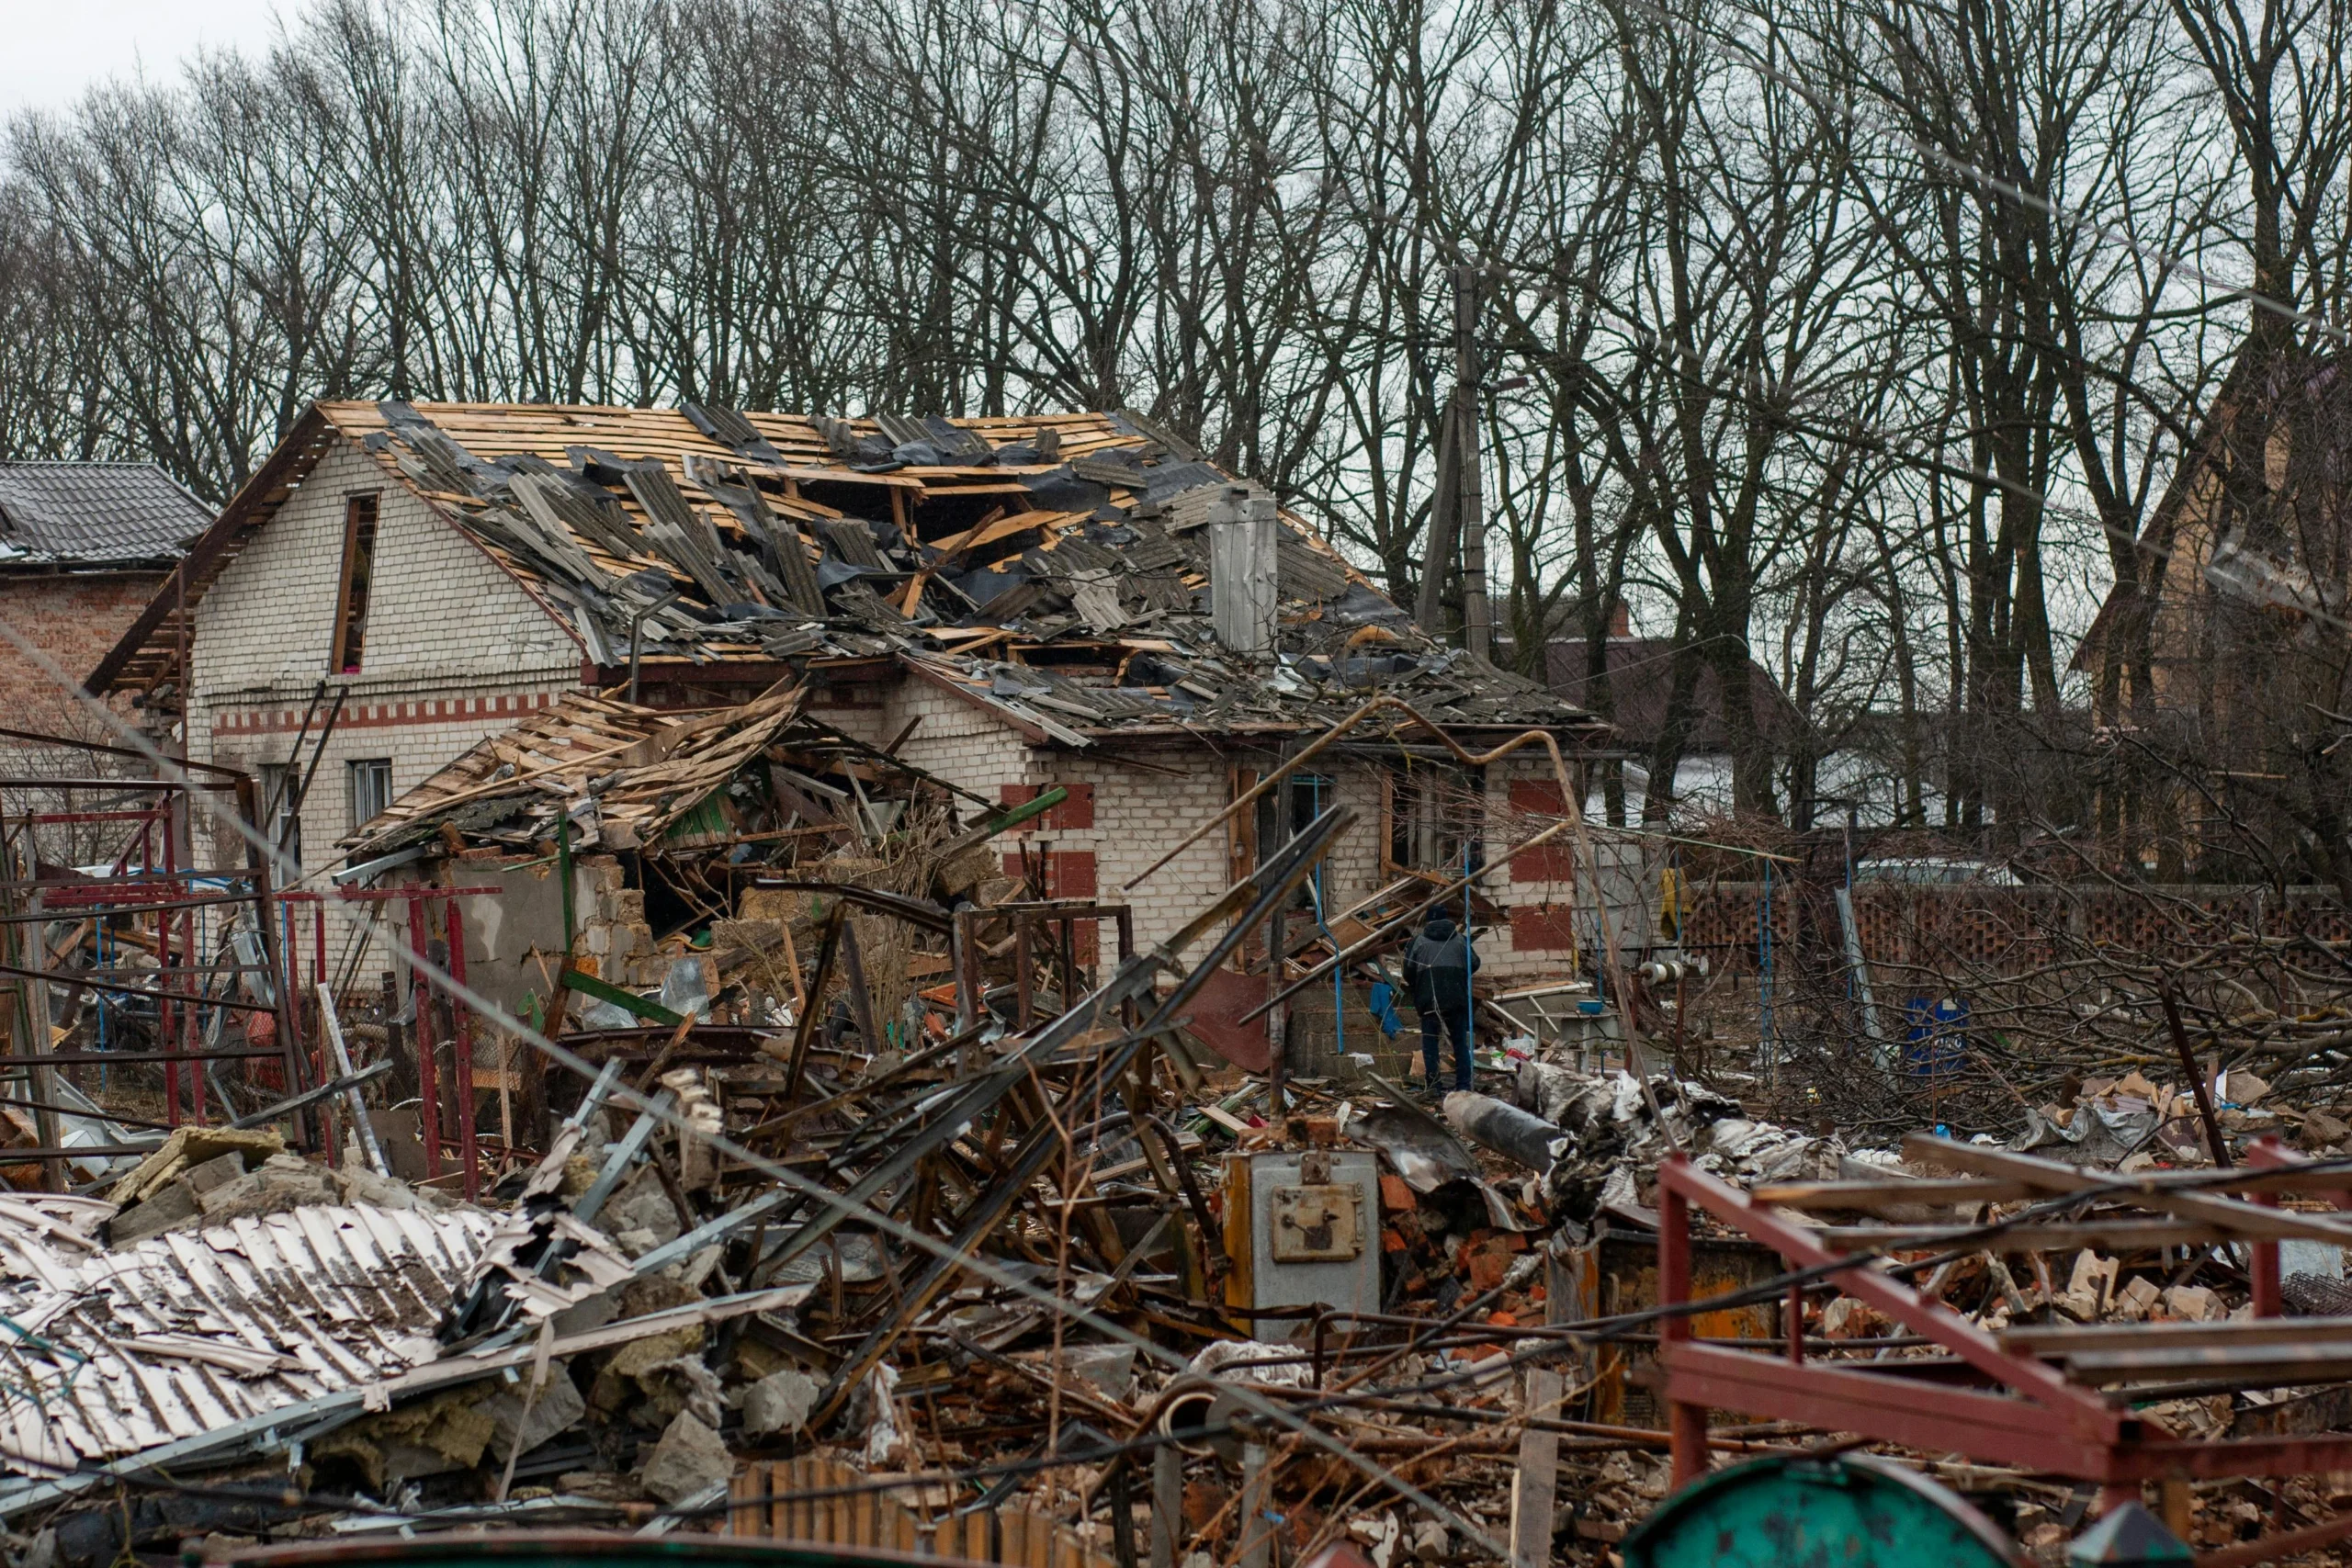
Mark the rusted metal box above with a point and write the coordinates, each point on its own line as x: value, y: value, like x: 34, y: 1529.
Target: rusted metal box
x: 1301, y: 1229
x: 1616, y: 1271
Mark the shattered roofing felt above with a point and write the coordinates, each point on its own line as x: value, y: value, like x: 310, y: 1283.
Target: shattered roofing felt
x: 95, y: 514
x: 954, y: 547
x: 113, y: 1352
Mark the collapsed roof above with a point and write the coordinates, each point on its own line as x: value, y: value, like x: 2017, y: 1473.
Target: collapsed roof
x: 640, y: 778
x: 1054, y: 568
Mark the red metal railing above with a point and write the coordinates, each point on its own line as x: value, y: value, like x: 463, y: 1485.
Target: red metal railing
x: 1986, y: 1401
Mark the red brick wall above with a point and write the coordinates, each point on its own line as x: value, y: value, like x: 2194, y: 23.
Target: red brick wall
x: 74, y: 618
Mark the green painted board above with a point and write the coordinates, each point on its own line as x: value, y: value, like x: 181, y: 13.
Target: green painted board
x: 606, y: 991
x: 1787, y: 1511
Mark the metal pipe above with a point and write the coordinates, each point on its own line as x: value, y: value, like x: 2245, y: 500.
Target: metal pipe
x: 636, y: 627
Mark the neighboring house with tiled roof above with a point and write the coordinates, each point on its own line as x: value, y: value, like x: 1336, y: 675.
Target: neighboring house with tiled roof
x: 1008, y: 604
x: 84, y: 548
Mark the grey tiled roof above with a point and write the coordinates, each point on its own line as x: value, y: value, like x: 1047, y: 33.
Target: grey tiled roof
x: 93, y: 514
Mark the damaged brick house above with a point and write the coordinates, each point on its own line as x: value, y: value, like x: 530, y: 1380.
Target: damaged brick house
x: 1008, y: 605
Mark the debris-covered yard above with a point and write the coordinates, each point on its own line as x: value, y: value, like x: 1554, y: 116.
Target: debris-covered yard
x: 909, y: 1037
x: 893, y: 1202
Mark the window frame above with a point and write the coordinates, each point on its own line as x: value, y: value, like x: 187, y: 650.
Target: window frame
x: 378, y: 771
x: 1415, y: 798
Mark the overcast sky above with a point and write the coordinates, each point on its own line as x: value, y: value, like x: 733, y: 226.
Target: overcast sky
x: 58, y: 48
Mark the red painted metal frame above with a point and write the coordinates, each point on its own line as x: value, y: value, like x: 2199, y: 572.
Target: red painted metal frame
x: 2037, y: 1420
x: 172, y: 893
x: 421, y: 899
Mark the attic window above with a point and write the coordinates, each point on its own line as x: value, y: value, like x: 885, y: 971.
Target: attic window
x: 351, y: 597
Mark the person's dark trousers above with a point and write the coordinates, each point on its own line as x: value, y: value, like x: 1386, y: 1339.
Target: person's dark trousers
x: 1459, y: 1029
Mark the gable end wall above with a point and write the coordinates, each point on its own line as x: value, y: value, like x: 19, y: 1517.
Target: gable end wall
x: 456, y: 649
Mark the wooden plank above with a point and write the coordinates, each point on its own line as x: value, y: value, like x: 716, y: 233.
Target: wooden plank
x: 2240, y: 1219
x: 2054, y: 1235
x: 1167, y: 1505
x: 2058, y: 1338
x: 2251, y: 1366
x: 1873, y: 1197
x: 785, y: 1510
x: 1535, y: 1482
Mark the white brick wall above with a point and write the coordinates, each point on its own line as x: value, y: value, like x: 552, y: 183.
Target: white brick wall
x: 1139, y: 815
x: 455, y: 651
x: 957, y: 739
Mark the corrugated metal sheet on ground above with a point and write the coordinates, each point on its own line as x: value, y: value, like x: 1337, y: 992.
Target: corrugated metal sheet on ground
x: 104, y: 1353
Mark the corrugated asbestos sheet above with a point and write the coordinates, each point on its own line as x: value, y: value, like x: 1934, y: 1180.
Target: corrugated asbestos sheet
x: 104, y: 1353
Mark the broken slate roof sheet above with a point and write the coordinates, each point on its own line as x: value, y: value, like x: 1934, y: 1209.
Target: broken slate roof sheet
x: 110, y: 1352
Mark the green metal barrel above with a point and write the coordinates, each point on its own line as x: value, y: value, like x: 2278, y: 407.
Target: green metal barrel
x: 1787, y: 1511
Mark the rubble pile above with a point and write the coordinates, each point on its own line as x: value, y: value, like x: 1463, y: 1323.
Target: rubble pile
x: 882, y: 1197
x: 623, y: 1334
x: 641, y: 1331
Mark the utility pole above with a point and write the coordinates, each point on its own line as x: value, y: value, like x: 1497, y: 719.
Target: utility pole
x: 1457, y: 508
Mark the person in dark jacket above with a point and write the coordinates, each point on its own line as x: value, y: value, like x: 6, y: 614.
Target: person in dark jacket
x: 1438, y: 968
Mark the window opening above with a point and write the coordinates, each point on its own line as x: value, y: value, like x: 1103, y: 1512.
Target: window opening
x: 1428, y: 810
x: 278, y: 782
x: 358, y: 570
x: 1286, y: 811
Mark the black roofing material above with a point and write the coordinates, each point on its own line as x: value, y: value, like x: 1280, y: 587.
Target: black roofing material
x: 1063, y: 491
x: 95, y: 514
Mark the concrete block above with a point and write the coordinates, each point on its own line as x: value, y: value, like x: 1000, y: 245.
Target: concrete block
x: 523, y: 1421
x: 642, y: 1205
x: 587, y: 1313
x: 781, y: 1402
x: 689, y: 1458
x: 282, y: 1183
x: 170, y: 1207
x: 203, y: 1178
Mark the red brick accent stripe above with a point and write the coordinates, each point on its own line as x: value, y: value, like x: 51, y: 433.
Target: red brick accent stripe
x: 1543, y: 929
x: 378, y: 716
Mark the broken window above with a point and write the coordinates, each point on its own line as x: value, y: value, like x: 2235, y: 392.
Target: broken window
x: 371, y: 788
x: 1285, y: 811
x: 351, y: 597
x: 279, y: 783
x: 1430, y: 811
